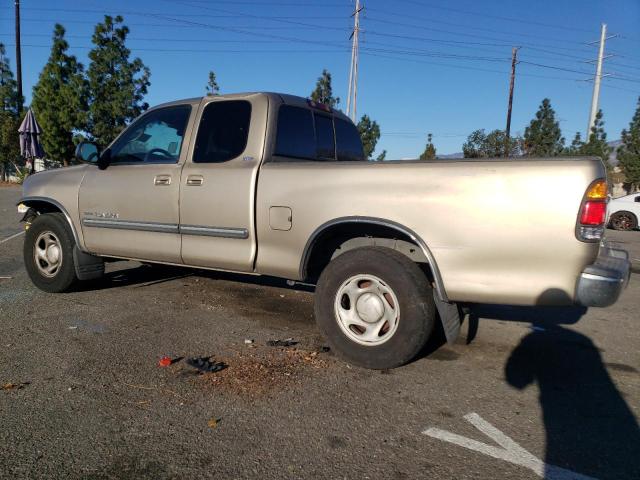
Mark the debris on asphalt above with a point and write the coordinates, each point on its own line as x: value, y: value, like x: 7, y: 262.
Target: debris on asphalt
x: 164, y: 361
x: 73, y: 327
x: 257, y: 372
x: 324, y: 349
x: 248, y: 341
x: 213, y: 423
x: 205, y: 364
x: 14, y: 386
x: 287, y: 342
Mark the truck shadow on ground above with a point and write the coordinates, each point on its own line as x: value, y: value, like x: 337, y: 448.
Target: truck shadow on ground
x: 146, y: 275
x: 590, y: 429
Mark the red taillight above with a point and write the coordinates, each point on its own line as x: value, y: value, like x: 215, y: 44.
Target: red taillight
x: 593, y: 213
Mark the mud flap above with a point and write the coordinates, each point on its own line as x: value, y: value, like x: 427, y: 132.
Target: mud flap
x: 450, y: 317
x: 88, y: 267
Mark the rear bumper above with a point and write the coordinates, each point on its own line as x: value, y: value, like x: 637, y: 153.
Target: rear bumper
x: 601, y: 283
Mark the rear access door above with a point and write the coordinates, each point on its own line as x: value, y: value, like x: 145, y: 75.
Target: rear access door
x: 217, y: 193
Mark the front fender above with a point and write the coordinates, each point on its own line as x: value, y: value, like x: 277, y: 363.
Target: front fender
x: 57, y: 190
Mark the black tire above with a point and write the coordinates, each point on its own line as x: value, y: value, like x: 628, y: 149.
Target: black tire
x: 65, y: 274
x: 417, y: 312
x: 623, y: 220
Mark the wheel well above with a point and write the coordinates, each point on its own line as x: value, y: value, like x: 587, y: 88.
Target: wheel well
x: 627, y: 212
x: 46, y: 205
x: 41, y: 206
x: 337, y: 239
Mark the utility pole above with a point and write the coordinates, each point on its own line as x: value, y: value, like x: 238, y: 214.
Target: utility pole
x: 18, y: 53
x: 353, y: 69
x: 514, y: 61
x: 597, y: 79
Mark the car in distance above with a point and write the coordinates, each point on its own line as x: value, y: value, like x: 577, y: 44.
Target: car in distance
x: 624, y: 212
x: 273, y: 184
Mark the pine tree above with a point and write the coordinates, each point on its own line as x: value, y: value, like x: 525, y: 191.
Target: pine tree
x: 430, y: 150
x: 597, y: 144
x: 10, y: 110
x: 212, y: 85
x: 576, y: 145
x: 117, y: 85
x: 11, y: 102
x: 482, y: 145
x: 369, y: 134
x: 59, y: 100
x: 629, y: 151
x: 543, y: 138
x: 323, y: 92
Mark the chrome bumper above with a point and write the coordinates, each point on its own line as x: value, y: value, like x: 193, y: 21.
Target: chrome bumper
x: 601, y: 283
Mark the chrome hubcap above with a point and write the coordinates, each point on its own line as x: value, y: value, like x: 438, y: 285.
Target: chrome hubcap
x: 367, y: 310
x: 48, y: 254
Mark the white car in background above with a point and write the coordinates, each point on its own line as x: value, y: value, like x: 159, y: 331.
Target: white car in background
x: 624, y: 212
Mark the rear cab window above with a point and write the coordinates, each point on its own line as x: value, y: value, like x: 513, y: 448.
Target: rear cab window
x: 348, y: 143
x: 306, y: 135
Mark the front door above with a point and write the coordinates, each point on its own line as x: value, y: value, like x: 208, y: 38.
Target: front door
x: 130, y: 209
x: 217, y: 196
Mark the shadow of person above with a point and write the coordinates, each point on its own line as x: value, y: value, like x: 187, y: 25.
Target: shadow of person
x: 590, y: 429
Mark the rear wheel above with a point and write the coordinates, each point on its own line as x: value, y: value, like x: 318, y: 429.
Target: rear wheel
x: 623, y: 221
x: 48, y: 253
x: 375, y: 307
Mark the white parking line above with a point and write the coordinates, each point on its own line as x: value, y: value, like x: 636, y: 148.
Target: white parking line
x: 11, y: 237
x: 510, y: 452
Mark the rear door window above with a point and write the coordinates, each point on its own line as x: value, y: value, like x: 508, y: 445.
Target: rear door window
x: 348, y: 143
x: 223, y: 132
x: 295, y: 137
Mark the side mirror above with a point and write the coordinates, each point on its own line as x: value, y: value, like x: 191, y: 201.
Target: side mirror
x: 87, y: 152
x: 638, y: 199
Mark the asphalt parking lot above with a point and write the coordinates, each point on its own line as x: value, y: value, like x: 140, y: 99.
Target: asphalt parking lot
x: 525, y: 393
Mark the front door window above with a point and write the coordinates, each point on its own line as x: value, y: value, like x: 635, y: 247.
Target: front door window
x: 156, y: 137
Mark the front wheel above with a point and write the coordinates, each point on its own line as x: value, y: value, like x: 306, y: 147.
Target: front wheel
x: 48, y: 253
x: 375, y: 307
x: 623, y: 221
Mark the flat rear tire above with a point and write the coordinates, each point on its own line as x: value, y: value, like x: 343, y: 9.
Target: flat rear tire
x: 375, y: 307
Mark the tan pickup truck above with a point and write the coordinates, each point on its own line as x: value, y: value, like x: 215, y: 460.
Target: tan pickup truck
x: 278, y: 185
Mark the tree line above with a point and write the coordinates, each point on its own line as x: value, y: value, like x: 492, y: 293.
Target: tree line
x: 72, y: 103
x: 543, y: 138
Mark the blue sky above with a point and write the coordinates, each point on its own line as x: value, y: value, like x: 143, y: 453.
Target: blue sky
x: 425, y: 65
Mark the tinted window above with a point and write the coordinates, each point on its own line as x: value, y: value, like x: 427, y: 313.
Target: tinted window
x: 295, y: 137
x: 155, y: 137
x: 348, y: 143
x: 223, y: 132
x: 325, y: 142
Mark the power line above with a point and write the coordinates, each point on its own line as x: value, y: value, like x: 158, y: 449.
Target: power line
x: 165, y: 25
x: 497, y: 17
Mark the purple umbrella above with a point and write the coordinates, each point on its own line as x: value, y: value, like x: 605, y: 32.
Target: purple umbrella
x: 29, y: 131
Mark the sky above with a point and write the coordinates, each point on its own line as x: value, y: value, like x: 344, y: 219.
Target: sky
x: 426, y: 66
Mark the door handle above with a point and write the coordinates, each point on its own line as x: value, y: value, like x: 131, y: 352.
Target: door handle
x: 162, y: 180
x: 195, y: 180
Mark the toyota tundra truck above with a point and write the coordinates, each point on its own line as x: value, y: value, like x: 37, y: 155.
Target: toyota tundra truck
x: 273, y: 184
